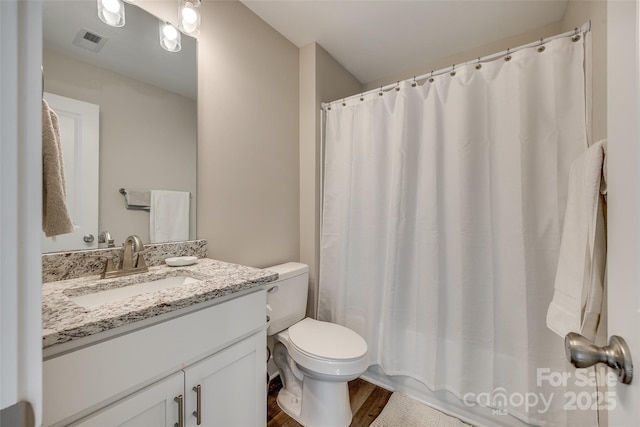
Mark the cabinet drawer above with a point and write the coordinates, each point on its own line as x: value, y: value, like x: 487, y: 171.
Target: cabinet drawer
x: 78, y: 383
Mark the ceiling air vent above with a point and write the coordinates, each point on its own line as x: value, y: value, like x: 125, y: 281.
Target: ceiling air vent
x: 89, y: 40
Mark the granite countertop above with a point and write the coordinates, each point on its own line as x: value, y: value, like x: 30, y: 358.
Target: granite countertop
x: 64, y: 320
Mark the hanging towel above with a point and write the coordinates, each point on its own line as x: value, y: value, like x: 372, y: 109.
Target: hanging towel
x: 580, y: 276
x: 169, y: 216
x: 138, y: 199
x: 55, y: 214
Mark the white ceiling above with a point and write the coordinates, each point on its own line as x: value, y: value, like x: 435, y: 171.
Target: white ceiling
x: 376, y: 39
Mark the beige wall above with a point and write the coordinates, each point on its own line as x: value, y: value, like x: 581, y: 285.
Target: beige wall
x: 248, y: 168
x: 147, y: 139
x: 322, y: 79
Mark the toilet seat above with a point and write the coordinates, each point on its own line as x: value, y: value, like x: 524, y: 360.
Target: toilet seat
x: 326, y: 348
x: 324, y: 340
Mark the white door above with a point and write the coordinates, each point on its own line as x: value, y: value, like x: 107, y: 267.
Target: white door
x: 153, y: 406
x: 20, y: 195
x: 232, y: 386
x: 623, y: 221
x: 79, y: 135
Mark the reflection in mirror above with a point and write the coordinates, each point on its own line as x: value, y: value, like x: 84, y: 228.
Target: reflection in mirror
x: 146, y: 99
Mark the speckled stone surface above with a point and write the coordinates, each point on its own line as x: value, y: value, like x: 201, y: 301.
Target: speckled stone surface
x: 70, y: 265
x: 63, y: 320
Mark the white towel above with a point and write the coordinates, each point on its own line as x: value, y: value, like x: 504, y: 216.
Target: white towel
x: 169, y: 216
x: 580, y: 276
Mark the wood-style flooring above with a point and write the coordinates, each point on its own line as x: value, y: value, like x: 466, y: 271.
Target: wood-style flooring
x: 367, y: 401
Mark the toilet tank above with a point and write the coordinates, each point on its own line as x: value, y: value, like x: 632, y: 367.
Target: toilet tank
x: 287, y: 296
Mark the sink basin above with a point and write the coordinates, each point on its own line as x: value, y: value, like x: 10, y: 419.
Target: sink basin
x: 108, y: 296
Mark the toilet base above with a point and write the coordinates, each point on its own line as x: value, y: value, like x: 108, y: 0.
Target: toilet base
x: 323, y: 404
x: 289, y: 403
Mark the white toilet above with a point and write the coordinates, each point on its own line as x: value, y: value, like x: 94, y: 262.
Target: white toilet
x: 315, y: 359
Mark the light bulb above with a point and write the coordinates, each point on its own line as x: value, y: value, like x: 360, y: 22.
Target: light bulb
x: 189, y: 12
x: 189, y: 16
x: 112, y: 6
x: 169, y: 37
x: 170, y: 32
x: 111, y: 12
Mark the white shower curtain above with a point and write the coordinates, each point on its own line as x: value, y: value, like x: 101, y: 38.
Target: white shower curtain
x: 442, y: 213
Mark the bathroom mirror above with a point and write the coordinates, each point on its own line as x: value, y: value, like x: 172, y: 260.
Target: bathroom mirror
x: 147, y: 102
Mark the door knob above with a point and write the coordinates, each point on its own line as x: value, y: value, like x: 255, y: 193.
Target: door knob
x: 88, y: 238
x: 582, y: 353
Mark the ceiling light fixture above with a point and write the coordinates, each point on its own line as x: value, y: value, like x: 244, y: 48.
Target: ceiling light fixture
x: 111, y: 12
x: 169, y: 37
x: 189, y: 15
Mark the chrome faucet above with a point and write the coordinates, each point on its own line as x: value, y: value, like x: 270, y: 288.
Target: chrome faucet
x: 105, y: 237
x: 131, y: 260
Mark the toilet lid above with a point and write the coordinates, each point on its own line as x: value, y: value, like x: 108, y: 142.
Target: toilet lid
x: 327, y: 340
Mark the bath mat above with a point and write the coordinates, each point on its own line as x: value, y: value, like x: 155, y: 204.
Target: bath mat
x: 402, y: 410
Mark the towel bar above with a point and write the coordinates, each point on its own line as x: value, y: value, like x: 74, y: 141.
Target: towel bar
x: 124, y: 192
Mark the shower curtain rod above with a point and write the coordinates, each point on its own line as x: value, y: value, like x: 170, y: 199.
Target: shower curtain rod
x: 584, y: 28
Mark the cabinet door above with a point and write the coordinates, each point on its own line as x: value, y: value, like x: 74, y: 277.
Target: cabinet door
x: 153, y: 406
x: 232, y: 386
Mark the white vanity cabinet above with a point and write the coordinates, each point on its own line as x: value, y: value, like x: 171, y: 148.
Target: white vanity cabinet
x: 133, y: 379
x: 231, y: 394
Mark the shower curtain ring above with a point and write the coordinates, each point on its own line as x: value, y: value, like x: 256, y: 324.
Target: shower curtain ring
x: 453, y: 70
x: 344, y: 104
x: 431, y: 78
x: 508, y: 57
x: 398, y: 86
x: 414, y: 83
x: 541, y: 48
x: 478, y: 64
x: 576, y: 36
x: 381, y: 92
